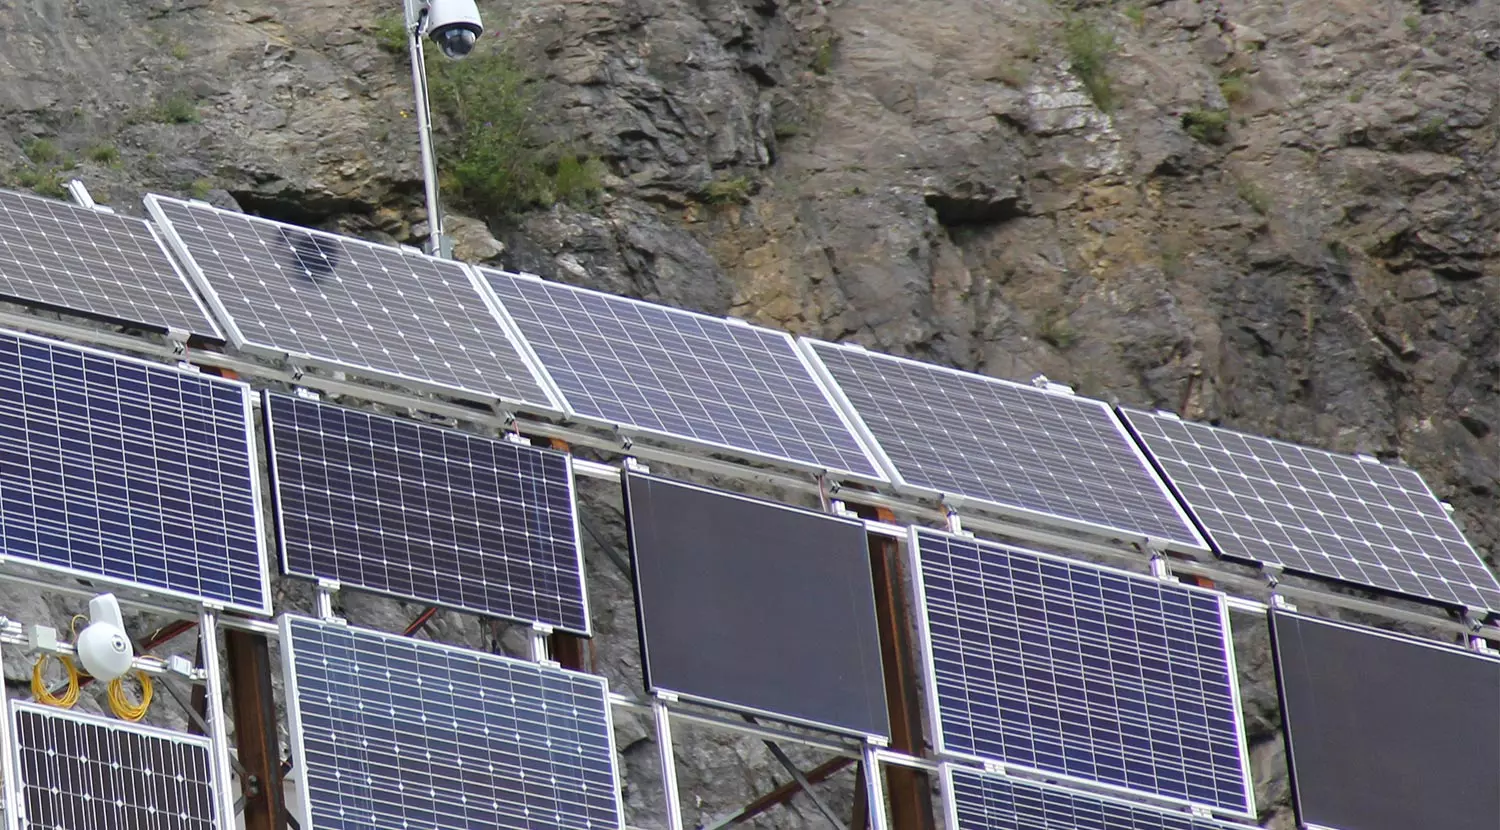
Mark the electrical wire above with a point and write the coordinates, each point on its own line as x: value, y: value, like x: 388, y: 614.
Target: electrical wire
x: 122, y: 705
x: 39, y: 689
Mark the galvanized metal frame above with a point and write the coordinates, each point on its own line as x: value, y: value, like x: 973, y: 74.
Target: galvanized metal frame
x: 237, y: 339
x: 934, y: 707
x: 280, y: 514
x: 292, y: 694
x: 674, y: 439
x: 901, y: 484
x: 12, y: 753
x: 10, y: 562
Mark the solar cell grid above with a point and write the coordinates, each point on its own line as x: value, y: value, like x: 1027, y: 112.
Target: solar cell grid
x: 426, y: 513
x: 1319, y: 513
x: 981, y: 801
x: 1086, y: 672
x: 394, y: 732
x: 375, y: 309
x: 676, y: 374
x: 69, y: 257
x: 140, y: 474
x: 1057, y: 458
x: 80, y: 772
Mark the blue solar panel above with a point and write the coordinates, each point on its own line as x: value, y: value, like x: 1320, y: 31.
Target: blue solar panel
x: 986, y: 801
x: 427, y: 513
x: 661, y: 371
x: 144, y: 475
x: 1081, y: 671
x: 393, y: 732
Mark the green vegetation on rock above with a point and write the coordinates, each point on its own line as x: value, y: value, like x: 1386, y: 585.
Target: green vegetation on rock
x: 1090, y: 49
x: 1207, y: 126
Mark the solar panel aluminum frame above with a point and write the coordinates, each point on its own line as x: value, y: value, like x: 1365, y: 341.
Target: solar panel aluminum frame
x: 280, y: 514
x: 236, y: 338
x: 950, y: 803
x: 16, y: 707
x: 215, y: 332
x: 1024, y: 515
x: 934, y: 713
x: 294, y: 708
x: 176, y: 597
x: 673, y: 439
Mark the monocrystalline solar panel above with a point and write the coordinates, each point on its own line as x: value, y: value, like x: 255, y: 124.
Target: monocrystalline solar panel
x: 986, y: 801
x: 426, y: 513
x: 1038, y: 454
x: 88, y: 261
x: 79, y: 772
x: 374, y: 309
x: 1081, y: 671
x: 1385, y: 731
x: 394, y: 732
x: 141, y: 474
x: 1318, y: 513
x: 660, y: 371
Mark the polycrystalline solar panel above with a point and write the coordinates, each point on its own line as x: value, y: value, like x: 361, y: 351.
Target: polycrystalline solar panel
x: 284, y: 290
x: 80, y: 772
x: 79, y: 259
x: 426, y: 513
x: 1081, y: 671
x: 142, y: 474
x: 1043, y: 455
x: 662, y: 371
x: 394, y: 732
x: 981, y: 801
x: 1317, y: 512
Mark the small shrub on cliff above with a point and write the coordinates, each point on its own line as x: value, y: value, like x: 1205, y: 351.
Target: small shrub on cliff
x: 578, y: 180
x: 734, y: 190
x: 389, y: 32
x: 1090, y: 49
x: 1208, y: 126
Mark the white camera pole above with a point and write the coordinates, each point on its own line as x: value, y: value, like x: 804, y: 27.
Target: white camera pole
x: 416, y: 11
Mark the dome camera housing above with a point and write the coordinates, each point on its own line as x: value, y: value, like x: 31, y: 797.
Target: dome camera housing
x: 103, y: 647
x: 454, y: 25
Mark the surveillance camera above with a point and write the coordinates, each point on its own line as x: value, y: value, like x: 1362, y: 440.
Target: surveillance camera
x: 103, y: 647
x: 454, y: 25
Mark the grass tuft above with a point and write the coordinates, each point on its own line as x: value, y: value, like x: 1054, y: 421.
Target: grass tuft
x: 1090, y: 50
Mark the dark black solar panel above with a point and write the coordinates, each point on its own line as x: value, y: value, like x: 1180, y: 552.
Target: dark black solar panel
x: 393, y: 732
x: 284, y: 290
x: 1054, y: 457
x: 142, y: 474
x: 426, y: 513
x: 82, y: 772
x: 662, y: 371
x: 1082, y: 671
x: 985, y: 801
x: 1318, y: 513
x: 75, y: 258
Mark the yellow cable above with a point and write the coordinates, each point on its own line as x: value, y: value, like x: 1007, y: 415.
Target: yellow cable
x: 39, y: 688
x: 122, y: 705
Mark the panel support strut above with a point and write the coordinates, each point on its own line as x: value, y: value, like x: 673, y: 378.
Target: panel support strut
x: 218, y: 731
x: 668, y: 762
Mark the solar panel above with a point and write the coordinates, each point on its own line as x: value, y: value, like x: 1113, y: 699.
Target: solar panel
x: 393, y: 732
x: 141, y: 474
x: 84, y: 260
x: 1025, y: 451
x: 79, y: 772
x: 716, y: 383
x: 1318, y: 513
x: 375, y: 309
x: 1081, y: 671
x: 981, y: 801
x: 426, y: 513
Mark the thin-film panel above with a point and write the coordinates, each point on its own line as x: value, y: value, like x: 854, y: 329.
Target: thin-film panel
x: 1055, y: 457
x: 80, y: 772
x: 95, y: 263
x: 672, y: 373
x: 985, y: 801
x: 1319, y: 513
x: 375, y: 309
x: 426, y: 513
x: 395, y: 732
x: 142, y: 474
x: 1081, y: 671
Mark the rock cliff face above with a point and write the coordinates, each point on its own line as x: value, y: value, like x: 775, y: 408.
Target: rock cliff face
x: 1286, y: 222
